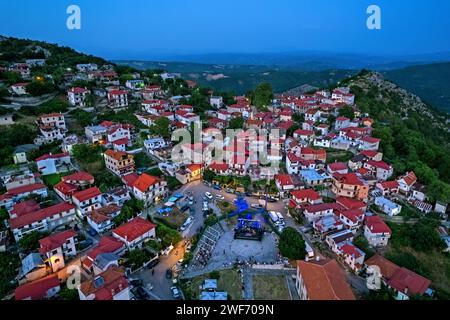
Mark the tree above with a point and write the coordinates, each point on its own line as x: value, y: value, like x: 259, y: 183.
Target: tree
x: 208, y: 175
x: 40, y: 87
x: 236, y: 123
x: 161, y: 127
x: 9, y: 264
x: 67, y: 294
x: 30, y: 241
x: 292, y: 245
x: 167, y: 235
x: 263, y: 95
x: 347, y: 112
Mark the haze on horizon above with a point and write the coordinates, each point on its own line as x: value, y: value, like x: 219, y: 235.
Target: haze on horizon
x: 150, y: 29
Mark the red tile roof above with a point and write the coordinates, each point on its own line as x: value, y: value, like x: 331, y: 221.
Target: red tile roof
x: 338, y: 166
x: 40, y: 215
x: 25, y: 207
x: 107, y: 244
x: 284, y: 179
x: 349, y: 178
x: 53, y: 156
x: 309, y: 194
x: 65, y: 188
x: 408, y: 282
x: 144, y: 182
x: 349, y: 203
x: 25, y: 189
x: 129, y: 179
x: 219, y: 166
x: 324, y: 280
x: 36, y: 290
x: 87, y: 194
x: 134, y: 229
x: 55, y: 240
x: 79, y: 176
x: 114, y: 282
x: 377, y: 225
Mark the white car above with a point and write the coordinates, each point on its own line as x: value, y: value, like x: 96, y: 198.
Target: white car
x: 220, y: 197
x: 208, y: 195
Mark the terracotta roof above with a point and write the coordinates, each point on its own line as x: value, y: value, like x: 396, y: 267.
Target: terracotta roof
x: 78, y: 90
x: 377, y: 225
x: 116, y: 155
x: 387, y: 268
x: 219, y: 166
x: 36, y: 290
x: 338, y: 166
x: 324, y: 280
x: 389, y: 185
x: 53, y: 156
x: 410, y: 178
x: 310, y: 194
x: 144, y: 182
x: 25, y: 189
x: 79, y: 176
x: 25, y: 207
x: 349, y: 178
x: 87, y: 194
x: 55, y: 240
x: 113, y: 282
x: 409, y: 282
x: 134, y: 229
x: 40, y: 215
x: 349, y: 203
x: 284, y: 179
x: 65, y: 188
x: 107, y: 244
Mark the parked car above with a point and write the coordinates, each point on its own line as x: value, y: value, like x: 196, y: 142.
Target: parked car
x: 220, y: 197
x: 217, y: 187
x: 141, y: 294
x: 136, y: 282
x: 92, y: 232
x: 152, y: 263
x: 208, y: 195
x: 168, y: 274
x: 175, y: 293
x: 229, y: 190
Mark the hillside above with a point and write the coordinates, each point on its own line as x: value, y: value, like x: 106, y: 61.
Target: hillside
x: 414, y: 135
x: 242, y: 78
x: 431, y: 82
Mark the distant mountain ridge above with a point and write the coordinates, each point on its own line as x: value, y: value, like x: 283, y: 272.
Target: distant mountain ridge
x: 431, y: 82
x: 311, y: 61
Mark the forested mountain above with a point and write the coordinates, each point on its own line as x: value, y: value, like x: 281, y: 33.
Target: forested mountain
x: 414, y: 135
x: 431, y: 82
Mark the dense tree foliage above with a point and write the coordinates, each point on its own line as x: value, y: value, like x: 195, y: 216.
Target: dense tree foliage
x: 9, y: 264
x: 292, y: 245
x: 236, y: 123
x: 30, y: 241
x: 262, y: 96
x: 161, y: 127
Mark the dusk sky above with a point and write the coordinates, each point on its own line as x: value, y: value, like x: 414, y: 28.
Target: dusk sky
x: 146, y: 29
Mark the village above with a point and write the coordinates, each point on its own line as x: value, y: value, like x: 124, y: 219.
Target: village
x: 108, y: 198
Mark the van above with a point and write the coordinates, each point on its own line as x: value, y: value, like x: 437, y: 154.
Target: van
x: 280, y: 217
x: 273, y: 216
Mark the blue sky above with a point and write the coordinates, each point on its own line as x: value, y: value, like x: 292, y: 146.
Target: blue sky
x: 140, y: 29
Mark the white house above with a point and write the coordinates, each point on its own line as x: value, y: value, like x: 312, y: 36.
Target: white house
x: 58, y: 247
x: 77, y: 96
x: 54, y: 163
x: 135, y: 233
x: 46, y: 219
x: 87, y: 200
x: 387, y: 206
x: 376, y: 231
x: 118, y: 98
